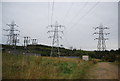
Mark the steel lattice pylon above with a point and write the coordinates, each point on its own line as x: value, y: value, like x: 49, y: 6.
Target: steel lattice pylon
x: 101, y: 46
x: 12, y: 37
x: 55, y: 40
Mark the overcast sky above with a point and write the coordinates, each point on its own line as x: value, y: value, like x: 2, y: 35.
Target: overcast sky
x: 79, y: 18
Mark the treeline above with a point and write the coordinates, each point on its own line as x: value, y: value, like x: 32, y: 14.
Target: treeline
x: 112, y: 55
x: 43, y: 50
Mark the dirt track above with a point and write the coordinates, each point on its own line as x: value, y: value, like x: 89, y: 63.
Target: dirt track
x: 103, y: 70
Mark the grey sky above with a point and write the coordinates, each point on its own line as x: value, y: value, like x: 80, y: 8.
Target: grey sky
x: 79, y: 18
x: 119, y: 25
x: 1, y: 22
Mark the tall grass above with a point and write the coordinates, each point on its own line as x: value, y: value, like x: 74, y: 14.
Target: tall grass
x: 38, y: 67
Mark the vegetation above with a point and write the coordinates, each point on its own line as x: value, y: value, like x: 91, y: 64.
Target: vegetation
x: 19, y: 66
x: 39, y: 67
x: 111, y: 56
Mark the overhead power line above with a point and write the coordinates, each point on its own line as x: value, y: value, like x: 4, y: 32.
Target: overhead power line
x: 52, y: 15
x: 48, y: 11
x: 79, y: 11
x: 84, y: 15
x: 68, y: 11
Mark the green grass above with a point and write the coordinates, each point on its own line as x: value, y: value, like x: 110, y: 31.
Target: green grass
x: 37, y: 67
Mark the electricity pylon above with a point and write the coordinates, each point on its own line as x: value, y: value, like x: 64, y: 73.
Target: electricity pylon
x: 101, y: 46
x: 34, y: 41
x: 15, y: 39
x: 26, y: 40
x: 55, y: 40
x: 12, y: 37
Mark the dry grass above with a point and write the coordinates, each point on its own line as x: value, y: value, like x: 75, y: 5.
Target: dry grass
x: 37, y: 67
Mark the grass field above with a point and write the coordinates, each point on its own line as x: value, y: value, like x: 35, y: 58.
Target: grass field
x: 38, y: 67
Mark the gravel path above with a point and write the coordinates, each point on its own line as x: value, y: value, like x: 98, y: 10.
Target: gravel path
x: 103, y: 70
